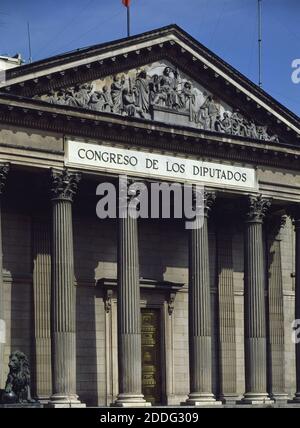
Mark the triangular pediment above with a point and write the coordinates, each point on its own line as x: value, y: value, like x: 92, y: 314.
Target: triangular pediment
x: 164, y: 76
x: 160, y: 92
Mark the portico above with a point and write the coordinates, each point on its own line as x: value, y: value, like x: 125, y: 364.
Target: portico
x: 140, y: 312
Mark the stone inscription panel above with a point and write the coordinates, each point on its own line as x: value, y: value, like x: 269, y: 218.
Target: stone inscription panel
x: 158, y: 166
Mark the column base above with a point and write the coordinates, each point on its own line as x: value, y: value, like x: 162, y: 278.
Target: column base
x: 64, y: 401
x: 201, y: 399
x: 256, y: 398
x: 130, y: 400
x: 229, y: 398
x: 282, y: 398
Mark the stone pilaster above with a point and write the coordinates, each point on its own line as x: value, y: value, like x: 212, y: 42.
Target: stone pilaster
x: 4, y: 169
x: 276, y: 313
x: 227, y: 336
x: 255, y: 310
x: 129, y: 312
x: 63, y: 303
x: 200, y: 311
x: 41, y: 293
x: 295, y: 213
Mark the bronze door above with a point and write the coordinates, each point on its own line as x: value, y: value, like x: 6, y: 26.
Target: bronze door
x: 151, y: 356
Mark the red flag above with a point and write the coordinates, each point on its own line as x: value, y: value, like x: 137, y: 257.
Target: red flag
x: 126, y: 3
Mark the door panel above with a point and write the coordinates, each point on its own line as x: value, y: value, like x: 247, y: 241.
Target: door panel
x: 151, y: 355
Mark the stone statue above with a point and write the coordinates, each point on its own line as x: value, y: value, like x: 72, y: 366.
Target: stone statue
x: 17, y: 388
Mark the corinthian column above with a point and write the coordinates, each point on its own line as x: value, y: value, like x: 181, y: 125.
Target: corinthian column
x: 128, y: 305
x: 255, y: 310
x: 63, y: 304
x: 4, y: 169
x: 200, y: 311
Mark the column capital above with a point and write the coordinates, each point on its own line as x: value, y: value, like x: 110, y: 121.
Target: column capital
x: 207, y: 202
x: 64, y: 184
x: 4, y: 170
x: 257, y: 208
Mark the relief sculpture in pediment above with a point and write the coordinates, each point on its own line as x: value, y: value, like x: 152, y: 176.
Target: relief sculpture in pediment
x: 161, y: 93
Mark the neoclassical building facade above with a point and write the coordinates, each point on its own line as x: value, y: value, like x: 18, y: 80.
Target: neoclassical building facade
x: 138, y: 312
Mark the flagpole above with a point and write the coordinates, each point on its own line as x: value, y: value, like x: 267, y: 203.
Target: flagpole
x: 259, y: 43
x: 128, y: 21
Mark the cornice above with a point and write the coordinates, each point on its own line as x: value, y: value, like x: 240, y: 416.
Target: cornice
x: 67, y: 121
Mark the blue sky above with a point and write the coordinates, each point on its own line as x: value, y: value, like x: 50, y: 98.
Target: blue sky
x: 227, y: 27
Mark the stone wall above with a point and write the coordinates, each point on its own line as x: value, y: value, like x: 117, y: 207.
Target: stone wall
x: 18, y: 284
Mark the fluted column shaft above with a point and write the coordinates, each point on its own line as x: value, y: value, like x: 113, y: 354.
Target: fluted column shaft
x: 129, y: 312
x: 255, y: 312
x: 63, y: 304
x: 200, y: 310
x: 276, y: 312
x: 227, y: 336
x: 42, y: 291
x: 4, y: 169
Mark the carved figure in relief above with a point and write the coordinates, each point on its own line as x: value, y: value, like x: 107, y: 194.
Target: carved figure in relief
x: 51, y: 97
x: 116, y: 90
x: 252, y: 129
x: 70, y: 98
x: 83, y: 94
x: 158, y: 96
x: 226, y: 123
x: 218, y: 124
x: 262, y: 132
x: 129, y: 106
x: 142, y: 94
x: 208, y: 113
x: 168, y: 85
x: 235, y: 123
x: 101, y: 100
